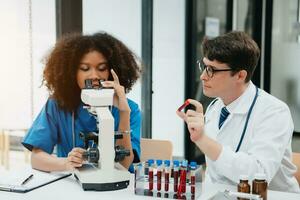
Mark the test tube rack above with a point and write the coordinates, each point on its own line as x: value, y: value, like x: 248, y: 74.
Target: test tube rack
x: 161, y: 187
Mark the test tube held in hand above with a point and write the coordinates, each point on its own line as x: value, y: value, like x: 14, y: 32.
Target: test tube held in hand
x: 185, y: 104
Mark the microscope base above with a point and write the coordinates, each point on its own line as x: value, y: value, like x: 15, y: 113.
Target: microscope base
x: 91, y: 178
x: 105, y: 186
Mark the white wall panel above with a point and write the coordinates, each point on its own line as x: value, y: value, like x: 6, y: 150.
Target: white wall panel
x: 168, y: 71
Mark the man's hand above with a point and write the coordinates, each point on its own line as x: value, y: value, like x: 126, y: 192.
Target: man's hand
x: 194, y: 120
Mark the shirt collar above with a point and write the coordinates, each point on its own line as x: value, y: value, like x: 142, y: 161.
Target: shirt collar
x: 242, y: 104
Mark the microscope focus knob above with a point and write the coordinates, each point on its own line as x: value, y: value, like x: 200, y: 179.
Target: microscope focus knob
x: 121, y: 152
x: 91, y: 155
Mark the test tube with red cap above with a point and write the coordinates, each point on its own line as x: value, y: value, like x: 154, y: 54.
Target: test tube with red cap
x: 185, y: 104
x: 167, y: 174
x: 159, y: 174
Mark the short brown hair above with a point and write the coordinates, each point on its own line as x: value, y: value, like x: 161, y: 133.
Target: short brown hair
x: 236, y: 48
x: 61, y: 65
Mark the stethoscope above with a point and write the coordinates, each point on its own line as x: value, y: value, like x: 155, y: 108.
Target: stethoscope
x: 247, y: 119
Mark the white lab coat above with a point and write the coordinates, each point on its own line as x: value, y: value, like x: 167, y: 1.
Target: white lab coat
x: 266, y: 146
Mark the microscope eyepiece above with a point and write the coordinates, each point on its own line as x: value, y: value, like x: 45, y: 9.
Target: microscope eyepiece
x: 93, y: 84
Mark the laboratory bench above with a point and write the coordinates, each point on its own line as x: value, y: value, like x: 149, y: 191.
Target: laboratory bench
x: 68, y: 188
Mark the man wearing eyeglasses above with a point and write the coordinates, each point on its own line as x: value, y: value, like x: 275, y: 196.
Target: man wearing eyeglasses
x: 244, y: 130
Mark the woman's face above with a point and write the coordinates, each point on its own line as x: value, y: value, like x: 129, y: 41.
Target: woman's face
x: 93, y: 65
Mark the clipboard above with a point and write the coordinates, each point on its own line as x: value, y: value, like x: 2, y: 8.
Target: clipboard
x: 11, y: 182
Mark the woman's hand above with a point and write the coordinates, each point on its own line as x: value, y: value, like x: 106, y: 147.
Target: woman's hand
x: 194, y: 120
x: 120, y: 100
x: 74, y: 158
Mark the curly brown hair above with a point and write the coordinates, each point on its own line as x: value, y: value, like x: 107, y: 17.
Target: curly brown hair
x: 61, y: 65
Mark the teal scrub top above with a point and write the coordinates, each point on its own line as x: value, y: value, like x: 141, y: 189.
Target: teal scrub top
x: 53, y: 127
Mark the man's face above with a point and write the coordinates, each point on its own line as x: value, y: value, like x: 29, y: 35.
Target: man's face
x: 217, y: 79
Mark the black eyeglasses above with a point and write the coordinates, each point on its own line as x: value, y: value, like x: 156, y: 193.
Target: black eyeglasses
x: 210, y: 71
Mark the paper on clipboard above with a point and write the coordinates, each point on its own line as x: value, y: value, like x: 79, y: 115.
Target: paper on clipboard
x: 11, y: 181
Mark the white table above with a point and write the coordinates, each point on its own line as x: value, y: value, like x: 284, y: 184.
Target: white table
x: 210, y: 190
x: 68, y: 188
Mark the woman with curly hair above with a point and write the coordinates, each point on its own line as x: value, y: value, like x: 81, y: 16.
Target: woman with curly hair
x: 74, y: 59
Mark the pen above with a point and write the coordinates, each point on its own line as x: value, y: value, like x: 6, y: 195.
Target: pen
x: 27, y: 179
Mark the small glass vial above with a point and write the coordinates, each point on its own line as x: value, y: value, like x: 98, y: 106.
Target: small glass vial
x: 243, y: 186
x: 260, y: 185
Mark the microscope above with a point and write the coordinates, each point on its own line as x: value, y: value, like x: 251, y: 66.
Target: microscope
x: 101, y: 172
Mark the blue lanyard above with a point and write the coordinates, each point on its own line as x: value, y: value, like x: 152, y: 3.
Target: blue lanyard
x: 247, y: 119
